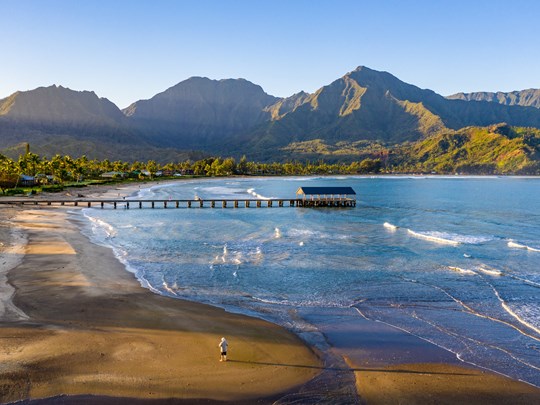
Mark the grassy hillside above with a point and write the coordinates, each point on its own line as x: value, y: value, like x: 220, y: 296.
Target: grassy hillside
x: 498, y: 149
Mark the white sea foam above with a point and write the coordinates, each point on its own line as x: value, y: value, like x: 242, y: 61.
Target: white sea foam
x: 307, y: 233
x: 461, y: 270
x: 390, y: 226
x: 484, y: 268
x: 515, y: 315
x: 526, y: 281
x: 303, y: 302
x: 257, y: 195
x: 256, y: 256
x: 311, y: 234
x: 448, y: 238
x: 237, y: 259
x: 531, y: 312
x: 168, y: 289
x: 100, y: 225
x: 11, y: 255
x: 516, y: 245
x: 436, y: 237
x: 227, y: 258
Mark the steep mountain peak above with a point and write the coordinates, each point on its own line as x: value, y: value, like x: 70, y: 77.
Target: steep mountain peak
x: 361, y: 68
x: 286, y: 105
x: 363, y: 72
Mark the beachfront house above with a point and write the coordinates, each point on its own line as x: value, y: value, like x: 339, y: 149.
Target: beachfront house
x: 27, y: 181
x: 326, y: 197
x: 113, y: 175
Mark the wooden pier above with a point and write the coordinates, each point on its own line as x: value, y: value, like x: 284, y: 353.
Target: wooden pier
x: 172, y: 203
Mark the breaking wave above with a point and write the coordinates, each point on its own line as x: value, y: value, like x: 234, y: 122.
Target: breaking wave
x: 515, y: 245
x: 489, y: 270
x: 101, y: 227
x: 257, y: 195
x: 462, y: 271
x: 446, y: 238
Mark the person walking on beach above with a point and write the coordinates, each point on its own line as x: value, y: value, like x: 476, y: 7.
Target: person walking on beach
x: 223, y: 348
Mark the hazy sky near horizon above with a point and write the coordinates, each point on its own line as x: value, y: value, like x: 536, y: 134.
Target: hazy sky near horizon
x: 126, y: 50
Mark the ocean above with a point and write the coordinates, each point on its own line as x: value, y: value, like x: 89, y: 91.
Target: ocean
x: 452, y: 260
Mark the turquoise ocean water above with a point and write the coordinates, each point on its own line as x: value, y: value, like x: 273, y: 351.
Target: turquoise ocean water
x: 455, y: 261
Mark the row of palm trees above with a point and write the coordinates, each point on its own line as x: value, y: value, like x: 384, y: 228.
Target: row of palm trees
x: 64, y: 168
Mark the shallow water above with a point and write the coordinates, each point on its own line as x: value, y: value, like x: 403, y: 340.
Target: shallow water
x: 452, y: 260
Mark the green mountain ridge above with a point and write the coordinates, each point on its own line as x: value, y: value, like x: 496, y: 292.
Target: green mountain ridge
x: 364, y: 114
x: 369, y: 105
x: 498, y: 149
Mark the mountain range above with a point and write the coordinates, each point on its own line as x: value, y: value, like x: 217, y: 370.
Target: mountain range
x: 525, y: 98
x: 363, y: 111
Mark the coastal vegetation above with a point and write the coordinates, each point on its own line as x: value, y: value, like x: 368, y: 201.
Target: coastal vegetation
x: 498, y: 149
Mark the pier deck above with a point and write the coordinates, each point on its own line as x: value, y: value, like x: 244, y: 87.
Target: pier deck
x: 173, y: 203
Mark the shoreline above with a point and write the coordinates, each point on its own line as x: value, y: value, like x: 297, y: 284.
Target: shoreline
x: 93, y: 330
x: 382, y: 375
x: 12, y: 250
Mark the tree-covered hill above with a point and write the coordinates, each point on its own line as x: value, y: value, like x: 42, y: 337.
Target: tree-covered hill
x: 498, y: 149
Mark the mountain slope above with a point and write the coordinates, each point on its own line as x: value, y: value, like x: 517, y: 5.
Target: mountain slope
x: 524, y: 98
x: 59, y: 120
x: 200, y: 112
x: 59, y: 106
x: 369, y: 105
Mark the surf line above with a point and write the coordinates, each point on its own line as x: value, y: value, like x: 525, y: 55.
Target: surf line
x: 477, y: 342
x: 458, y: 355
x: 473, y: 312
x: 432, y: 238
x: 511, y: 312
x: 512, y: 244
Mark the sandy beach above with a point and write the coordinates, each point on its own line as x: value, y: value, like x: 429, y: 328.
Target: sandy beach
x: 84, y: 325
x: 78, y: 328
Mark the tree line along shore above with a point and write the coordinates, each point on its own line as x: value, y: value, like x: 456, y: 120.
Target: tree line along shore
x: 450, y: 154
x: 32, y: 173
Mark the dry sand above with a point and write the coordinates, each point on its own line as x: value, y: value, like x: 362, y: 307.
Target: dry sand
x: 81, y: 324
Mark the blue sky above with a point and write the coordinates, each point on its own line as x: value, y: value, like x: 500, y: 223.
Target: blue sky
x: 131, y: 50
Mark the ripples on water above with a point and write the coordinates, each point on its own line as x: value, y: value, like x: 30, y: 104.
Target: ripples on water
x: 452, y: 260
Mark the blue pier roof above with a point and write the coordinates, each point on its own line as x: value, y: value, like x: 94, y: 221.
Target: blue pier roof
x: 326, y: 190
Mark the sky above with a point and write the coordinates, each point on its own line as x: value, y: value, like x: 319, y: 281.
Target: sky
x: 131, y: 50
